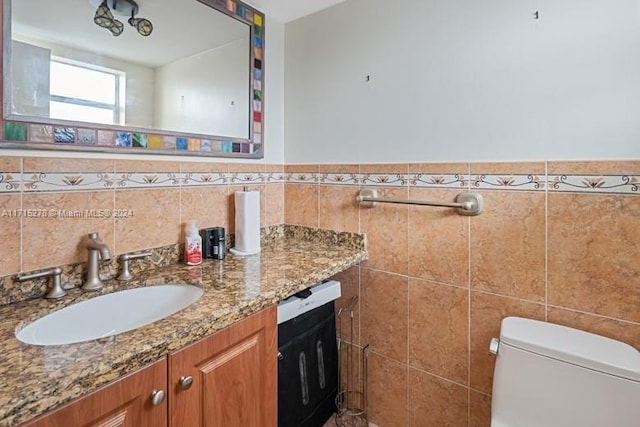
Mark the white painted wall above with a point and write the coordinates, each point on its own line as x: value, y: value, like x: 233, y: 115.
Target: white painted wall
x: 30, y: 93
x: 461, y: 80
x: 207, y: 93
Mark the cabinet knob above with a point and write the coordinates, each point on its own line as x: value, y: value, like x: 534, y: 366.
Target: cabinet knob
x: 157, y: 397
x: 185, y: 382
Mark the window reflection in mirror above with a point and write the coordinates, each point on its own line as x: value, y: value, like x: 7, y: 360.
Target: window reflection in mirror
x: 85, y: 92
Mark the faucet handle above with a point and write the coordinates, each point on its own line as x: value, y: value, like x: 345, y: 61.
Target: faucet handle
x: 55, y: 289
x: 125, y: 274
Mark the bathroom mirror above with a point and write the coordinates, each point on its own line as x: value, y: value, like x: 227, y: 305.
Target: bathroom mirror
x: 190, y: 80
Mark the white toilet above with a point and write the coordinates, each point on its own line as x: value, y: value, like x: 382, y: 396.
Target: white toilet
x: 548, y: 375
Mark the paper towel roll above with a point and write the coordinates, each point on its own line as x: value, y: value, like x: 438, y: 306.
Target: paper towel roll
x: 247, y: 223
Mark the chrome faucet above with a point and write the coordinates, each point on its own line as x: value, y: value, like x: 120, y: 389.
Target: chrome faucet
x: 97, y: 249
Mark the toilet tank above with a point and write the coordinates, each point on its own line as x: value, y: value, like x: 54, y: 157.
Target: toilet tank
x: 548, y: 375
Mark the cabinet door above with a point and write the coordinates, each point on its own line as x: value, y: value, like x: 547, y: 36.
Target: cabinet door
x: 228, y: 379
x: 125, y: 403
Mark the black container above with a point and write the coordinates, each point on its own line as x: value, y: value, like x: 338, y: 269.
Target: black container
x: 308, y: 368
x: 213, y: 242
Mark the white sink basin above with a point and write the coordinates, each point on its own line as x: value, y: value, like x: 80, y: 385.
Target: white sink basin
x: 109, y: 314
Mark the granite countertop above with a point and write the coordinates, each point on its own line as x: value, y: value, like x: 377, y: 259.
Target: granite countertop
x: 36, y: 379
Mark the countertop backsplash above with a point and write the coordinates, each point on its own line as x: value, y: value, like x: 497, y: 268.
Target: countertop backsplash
x: 13, y: 291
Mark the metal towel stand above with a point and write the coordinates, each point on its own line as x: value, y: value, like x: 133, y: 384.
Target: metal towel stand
x: 351, y: 400
x: 469, y: 204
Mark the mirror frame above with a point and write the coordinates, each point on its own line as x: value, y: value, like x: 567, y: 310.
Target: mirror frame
x: 52, y: 134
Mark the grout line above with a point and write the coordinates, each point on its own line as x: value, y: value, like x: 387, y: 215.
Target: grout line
x: 482, y: 291
x: 469, y: 308
x: 484, y: 393
x: 546, y: 243
x: 615, y: 319
x: 21, y: 266
x: 113, y: 224
x: 430, y: 374
x: 360, y: 306
x: 408, y: 390
x: 422, y: 279
x: 113, y: 205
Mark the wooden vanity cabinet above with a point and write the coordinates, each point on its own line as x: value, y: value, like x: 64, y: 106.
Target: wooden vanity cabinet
x: 126, y: 402
x: 228, y: 379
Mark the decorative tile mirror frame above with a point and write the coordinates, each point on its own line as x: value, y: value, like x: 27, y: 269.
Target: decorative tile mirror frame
x: 50, y: 134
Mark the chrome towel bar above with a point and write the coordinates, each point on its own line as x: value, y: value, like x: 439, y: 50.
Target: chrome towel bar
x: 469, y: 204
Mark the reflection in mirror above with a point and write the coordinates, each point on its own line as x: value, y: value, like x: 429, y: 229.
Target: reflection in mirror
x: 192, y: 74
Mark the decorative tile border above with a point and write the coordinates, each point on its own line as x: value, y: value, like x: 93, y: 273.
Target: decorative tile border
x: 610, y: 184
x: 384, y: 180
x: 195, y: 179
x: 47, y: 136
x: 620, y: 184
x: 438, y: 181
x: 10, y: 182
x: 15, y: 182
x: 33, y: 182
x: 509, y: 182
x: 338, y: 178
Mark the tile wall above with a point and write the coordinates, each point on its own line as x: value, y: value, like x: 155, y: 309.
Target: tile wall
x: 47, y: 205
x: 557, y: 241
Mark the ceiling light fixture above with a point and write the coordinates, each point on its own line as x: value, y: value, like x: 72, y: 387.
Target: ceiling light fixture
x: 142, y: 25
x: 105, y: 19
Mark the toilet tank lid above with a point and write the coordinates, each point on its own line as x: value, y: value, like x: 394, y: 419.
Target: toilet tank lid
x: 573, y: 346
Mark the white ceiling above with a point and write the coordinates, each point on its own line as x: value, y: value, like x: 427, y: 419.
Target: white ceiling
x: 178, y: 32
x: 289, y: 10
x: 70, y: 23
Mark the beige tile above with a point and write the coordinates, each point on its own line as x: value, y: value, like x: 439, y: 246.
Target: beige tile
x: 439, y: 329
x: 390, y: 168
x: 438, y: 239
x: 516, y: 168
x: 622, y: 331
x: 155, y: 221
x: 479, y: 410
x: 275, y: 168
x: 147, y: 166
x: 246, y: 167
x: 274, y: 204
x: 204, y: 167
x: 620, y: 167
x: 301, y: 204
x: 207, y: 205
x: 508, y: 245
x: 350, y: 285
x: 387, y: 392
x: 439, y: 168
x: 338, y: 209
x: 301, y: 168
x: 10, y: 226
x: 386, y: 227
x: 384, y: 313
x: 436, y: 402
x: 53, y: 164
x: 593, y: 242
x: 232, y: 203
x: 58, y: 238
x: 487, y: 311
x: 338, y: 168
x: 10, y: 164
